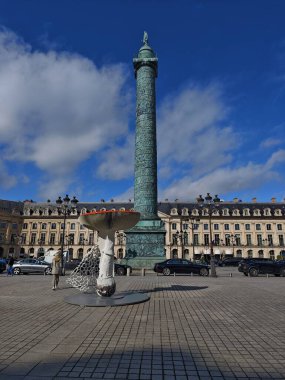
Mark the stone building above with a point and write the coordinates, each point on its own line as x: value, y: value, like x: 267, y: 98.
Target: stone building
x: 241, y: 229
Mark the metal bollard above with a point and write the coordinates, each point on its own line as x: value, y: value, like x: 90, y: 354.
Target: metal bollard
x: 267, y: 275
x: 174, y: 274
x: 128, y: 271
x: 143, y: 271
x: 192, y: 274
x: 231, y: 275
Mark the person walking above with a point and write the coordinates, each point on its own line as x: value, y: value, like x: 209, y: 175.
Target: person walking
x: 56, y: 269
x: 10, y: 264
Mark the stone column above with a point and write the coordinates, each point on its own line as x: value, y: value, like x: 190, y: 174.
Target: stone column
x: 145, y: 242
x: 145, y: 195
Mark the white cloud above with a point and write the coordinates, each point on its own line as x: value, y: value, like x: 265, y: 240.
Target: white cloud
x: 7, y: 180
x: 226, y: 179
x: 270, y: 142
x: 125, y: 196
x: 193, y: 129
x: 57, y: 109
x: 118, y: 161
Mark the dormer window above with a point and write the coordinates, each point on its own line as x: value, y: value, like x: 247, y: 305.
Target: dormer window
x: 185, y: 211
x: 173, y: 211
x: 225, y: 211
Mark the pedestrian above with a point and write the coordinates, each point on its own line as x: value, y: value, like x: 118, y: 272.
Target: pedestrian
x: 56, y: 269
x: 10, y: 266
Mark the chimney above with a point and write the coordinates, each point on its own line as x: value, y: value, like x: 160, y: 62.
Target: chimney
x: 236, y: 200
x: 273, y: 199
x: 254, y: 200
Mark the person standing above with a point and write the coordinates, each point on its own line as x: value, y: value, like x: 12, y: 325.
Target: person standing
x: 10, y: 264
x: 56, y: 269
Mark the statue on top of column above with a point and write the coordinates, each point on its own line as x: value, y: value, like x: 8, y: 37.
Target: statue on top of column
x: 145, y: 38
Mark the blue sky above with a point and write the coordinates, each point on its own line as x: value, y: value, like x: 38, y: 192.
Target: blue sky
x: 67, y: 97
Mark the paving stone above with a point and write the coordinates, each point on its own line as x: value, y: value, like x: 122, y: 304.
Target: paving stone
x: 192, y: 327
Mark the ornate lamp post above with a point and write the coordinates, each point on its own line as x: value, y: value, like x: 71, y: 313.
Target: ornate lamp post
x: 209, y: 204
x: 65, y: 206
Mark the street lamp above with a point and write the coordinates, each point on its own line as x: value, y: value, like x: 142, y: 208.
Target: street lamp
x: 65, y: 205
x: 121, y: 240
x: 181, y: 237
x: 209, y: 205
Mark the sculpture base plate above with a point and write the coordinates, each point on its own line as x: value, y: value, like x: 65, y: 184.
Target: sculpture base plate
x: 118, y: 299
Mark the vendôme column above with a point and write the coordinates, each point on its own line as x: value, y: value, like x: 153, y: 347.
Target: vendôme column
x: 145, y: 242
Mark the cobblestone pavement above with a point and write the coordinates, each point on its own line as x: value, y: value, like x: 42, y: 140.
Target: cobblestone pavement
x: 192, y: 328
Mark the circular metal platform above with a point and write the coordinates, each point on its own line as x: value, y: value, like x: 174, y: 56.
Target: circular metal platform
x: 118, y: 299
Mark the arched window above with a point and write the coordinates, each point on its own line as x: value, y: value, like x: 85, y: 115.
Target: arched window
x: 272, y: 254
x: 174, y: 254
x: 44, y: 226
x: 260, y: 254
x: 186, y: 254
x: 72, y: 226
x: 249, y: 253
x: 80, y: 253
x: 70, y: 251
x: 239, y: 253
x: 53, y: 226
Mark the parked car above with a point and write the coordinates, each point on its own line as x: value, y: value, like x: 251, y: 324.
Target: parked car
x: 230, y: 261
x: 121, y: 269
x: 3, y: 264
x: 181, y: 266
x: 254, y: 267
x: 31, y: 266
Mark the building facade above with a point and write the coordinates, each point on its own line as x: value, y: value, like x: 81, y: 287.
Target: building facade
x: 242, y: 229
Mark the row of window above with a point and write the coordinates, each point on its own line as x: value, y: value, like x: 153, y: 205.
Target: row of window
x: 216, y: 226
x: 238, y: 253
x: 53, y: 226
x: 230, y: 240
x: 69, y: 239
x: 228, y: 212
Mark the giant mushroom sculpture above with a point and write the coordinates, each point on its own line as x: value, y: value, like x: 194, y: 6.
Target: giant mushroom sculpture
x: 107, y: 223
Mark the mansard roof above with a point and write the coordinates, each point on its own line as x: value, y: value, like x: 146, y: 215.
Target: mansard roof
x: 166, y: 207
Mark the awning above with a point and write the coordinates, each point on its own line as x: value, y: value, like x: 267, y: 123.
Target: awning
x: 217, y: 252
x: 207, y: 252
x: 229, y: 252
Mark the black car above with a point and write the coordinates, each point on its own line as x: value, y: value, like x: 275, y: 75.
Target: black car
x: 121, y: 269
x: 178, y: 266
x: 254, y: 267
x: 230, y: 262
